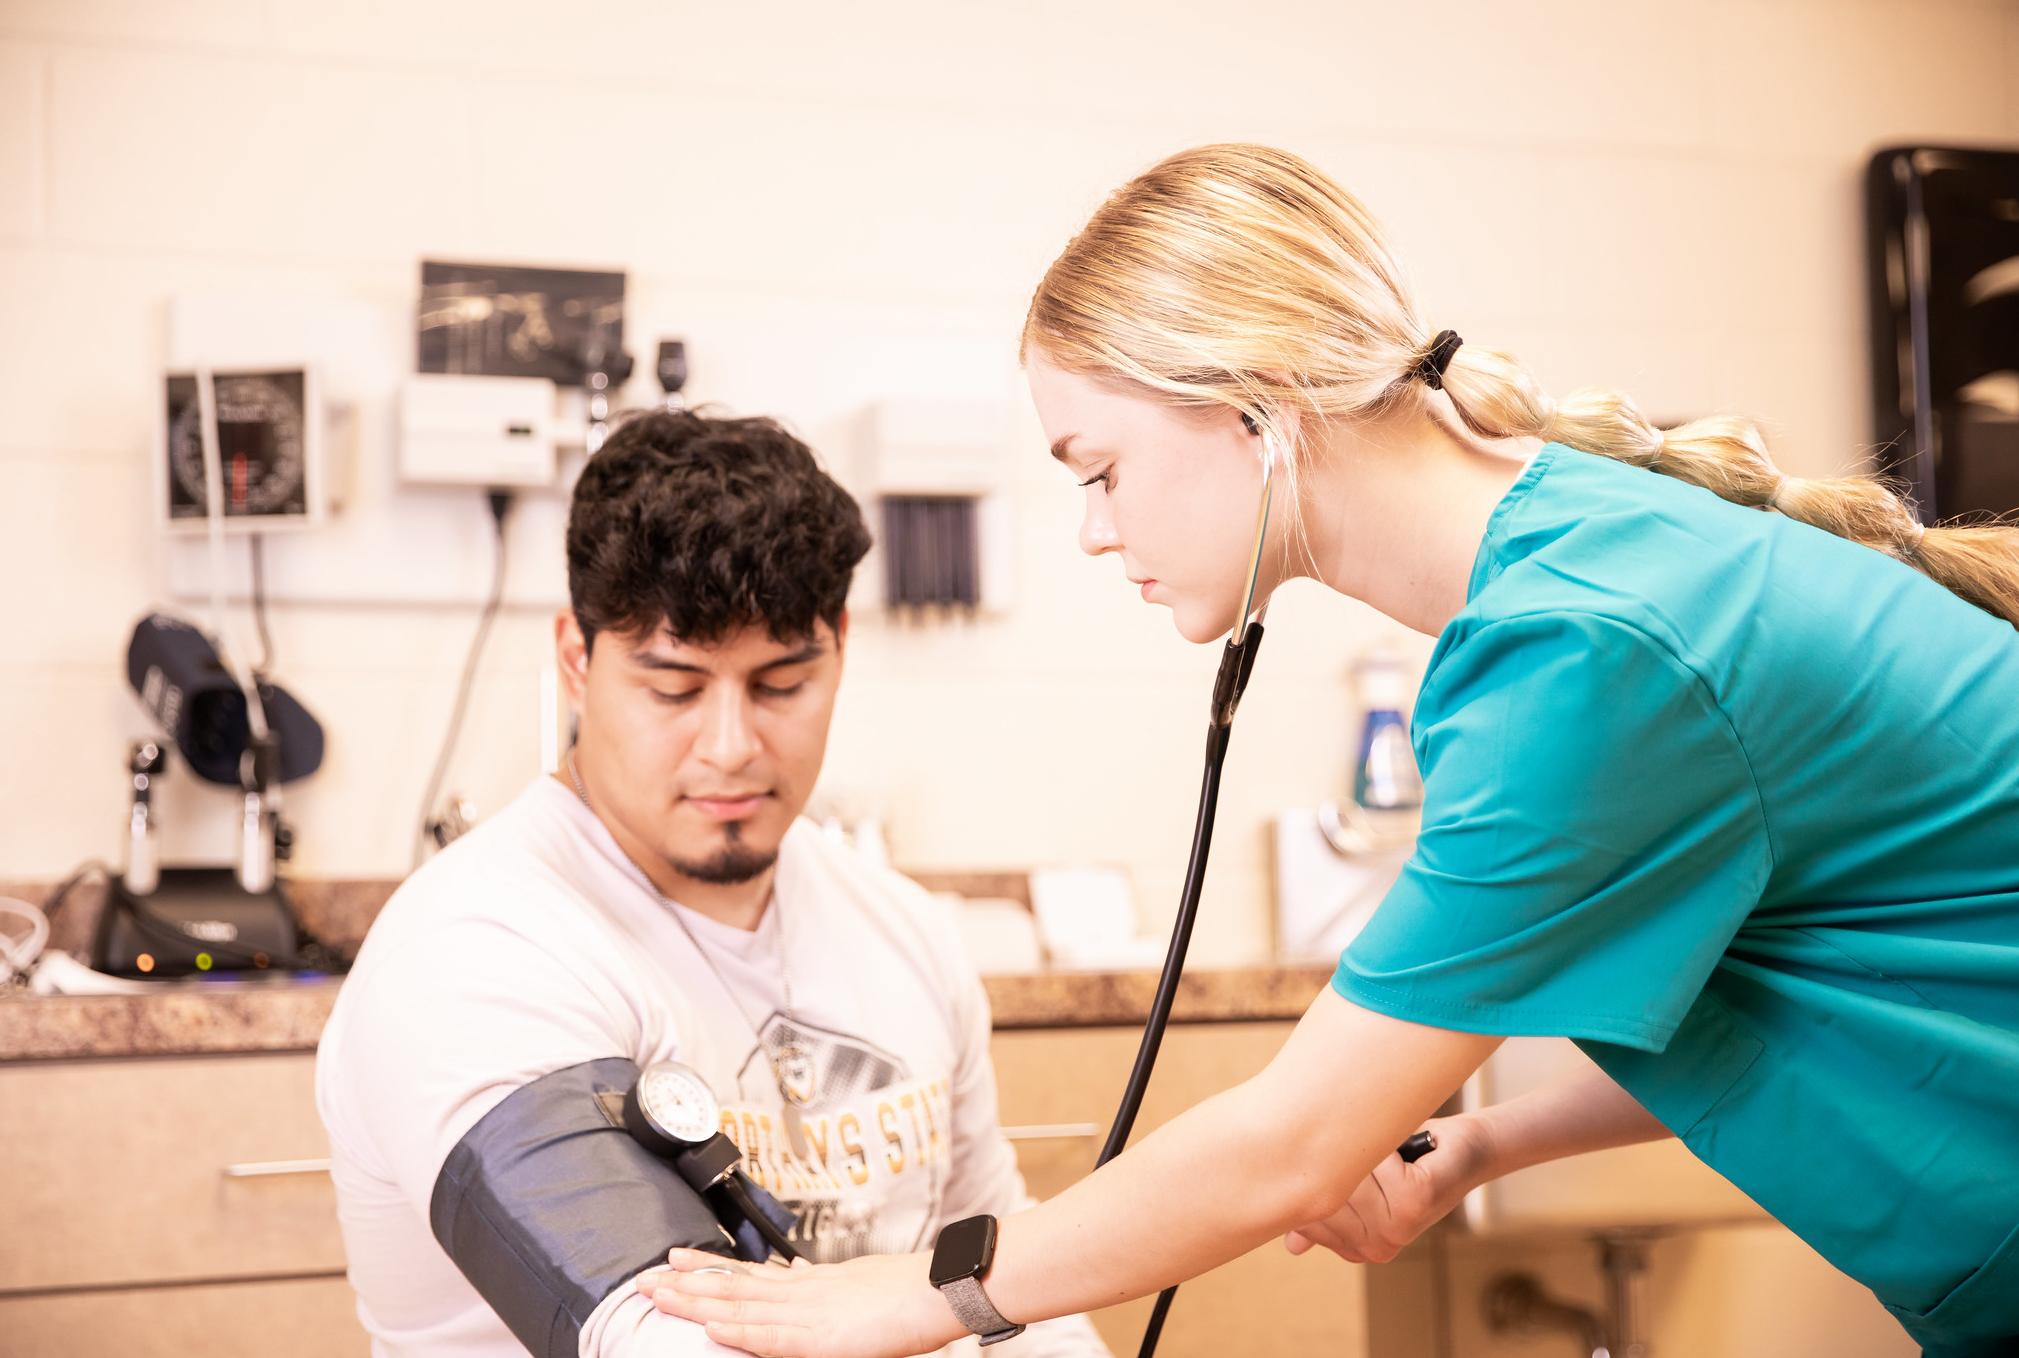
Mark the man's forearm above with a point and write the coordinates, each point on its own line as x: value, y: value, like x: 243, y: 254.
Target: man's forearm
x: 1582, y: 1112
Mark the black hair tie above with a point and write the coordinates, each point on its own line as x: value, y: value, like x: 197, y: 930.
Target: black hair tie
x: 1436, y: 359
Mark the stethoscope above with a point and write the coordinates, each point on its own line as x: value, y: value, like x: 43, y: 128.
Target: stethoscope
x: 1237, y: 663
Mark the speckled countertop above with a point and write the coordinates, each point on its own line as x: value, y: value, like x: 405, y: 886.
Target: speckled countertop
x: 279, y: 1013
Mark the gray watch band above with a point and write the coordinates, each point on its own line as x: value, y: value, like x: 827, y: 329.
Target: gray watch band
x: 975, y: 1311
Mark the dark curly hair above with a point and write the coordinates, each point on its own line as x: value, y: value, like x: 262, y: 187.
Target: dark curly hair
x: 709, y: 525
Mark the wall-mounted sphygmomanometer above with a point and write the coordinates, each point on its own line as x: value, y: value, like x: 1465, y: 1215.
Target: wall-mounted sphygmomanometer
x: 261, y: 430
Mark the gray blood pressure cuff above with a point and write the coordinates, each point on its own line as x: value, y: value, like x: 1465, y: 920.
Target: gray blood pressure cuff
x: 548, y: 1205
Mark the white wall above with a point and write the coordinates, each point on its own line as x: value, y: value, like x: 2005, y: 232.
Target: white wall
x: 837, y: 204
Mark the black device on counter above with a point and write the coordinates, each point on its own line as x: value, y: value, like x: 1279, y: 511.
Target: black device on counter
x: 196, y: 920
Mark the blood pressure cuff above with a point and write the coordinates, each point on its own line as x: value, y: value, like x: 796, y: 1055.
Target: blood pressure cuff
x: 548, y: 1205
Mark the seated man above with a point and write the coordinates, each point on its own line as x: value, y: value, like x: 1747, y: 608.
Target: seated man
x: 658, y: 899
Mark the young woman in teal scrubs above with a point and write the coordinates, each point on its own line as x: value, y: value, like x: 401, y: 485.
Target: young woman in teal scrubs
x: 1721, y: 778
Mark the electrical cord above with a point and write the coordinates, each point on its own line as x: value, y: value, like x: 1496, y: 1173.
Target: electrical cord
x: 500, y: 502
x: 19, y: 951
x: 265, y: 665
x: 93, y: 867
x: 18, y: 955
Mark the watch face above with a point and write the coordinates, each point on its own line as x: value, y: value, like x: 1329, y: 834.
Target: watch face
x: 678, y: 1101
x: 964, y: 1250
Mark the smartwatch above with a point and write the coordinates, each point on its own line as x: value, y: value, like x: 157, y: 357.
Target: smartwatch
x: 960, y: 1260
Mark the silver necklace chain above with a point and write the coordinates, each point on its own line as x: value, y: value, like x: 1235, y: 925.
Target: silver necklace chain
x: 791, y: 1050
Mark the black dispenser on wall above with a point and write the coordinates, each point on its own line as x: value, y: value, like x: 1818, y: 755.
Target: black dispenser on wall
x: 1943, y: 253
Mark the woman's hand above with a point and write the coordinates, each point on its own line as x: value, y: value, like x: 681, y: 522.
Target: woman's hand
x: 1399, y: 1200
x: 877, y: 1306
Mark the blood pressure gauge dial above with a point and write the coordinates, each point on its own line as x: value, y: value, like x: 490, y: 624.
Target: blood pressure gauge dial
x: 261, y: 435
x: 671, y: 1108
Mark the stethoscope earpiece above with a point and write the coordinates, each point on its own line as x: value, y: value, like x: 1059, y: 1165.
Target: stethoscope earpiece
x: 1270, y: 455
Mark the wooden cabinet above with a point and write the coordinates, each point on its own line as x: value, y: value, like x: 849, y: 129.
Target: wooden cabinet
x: 1057, y: 1082
x: 169, y: 1205
x: 287, y: 1318
x: 144, y: 1212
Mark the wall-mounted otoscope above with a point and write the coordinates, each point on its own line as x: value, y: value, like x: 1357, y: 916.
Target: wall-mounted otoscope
x: 604, y: 370
x: 671, y: 370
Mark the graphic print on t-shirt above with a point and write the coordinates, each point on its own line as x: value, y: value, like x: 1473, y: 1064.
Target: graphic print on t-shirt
x: 878, y: 1139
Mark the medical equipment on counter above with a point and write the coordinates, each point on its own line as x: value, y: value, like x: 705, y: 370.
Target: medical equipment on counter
x: 1237, y: 663
x: 252, y: 735
x: 201, y: 707
x: 195, y: 921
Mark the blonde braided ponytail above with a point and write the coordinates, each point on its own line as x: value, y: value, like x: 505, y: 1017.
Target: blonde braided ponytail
x: 1242, y: 276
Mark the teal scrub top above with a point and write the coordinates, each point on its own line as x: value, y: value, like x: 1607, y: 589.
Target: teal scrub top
x: 1734, y: 803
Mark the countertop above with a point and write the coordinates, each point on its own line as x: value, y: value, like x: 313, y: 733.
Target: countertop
x: 283, y: 1013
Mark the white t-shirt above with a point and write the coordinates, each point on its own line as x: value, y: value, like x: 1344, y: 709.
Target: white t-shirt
x: 533, y: 944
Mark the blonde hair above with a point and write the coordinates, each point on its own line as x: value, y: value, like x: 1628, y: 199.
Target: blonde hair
x: 1242, y: 276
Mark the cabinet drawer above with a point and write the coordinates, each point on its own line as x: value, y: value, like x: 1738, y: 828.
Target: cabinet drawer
x: 296, y: 1318
x: 1263, y: 1304
x: 117, y: 1172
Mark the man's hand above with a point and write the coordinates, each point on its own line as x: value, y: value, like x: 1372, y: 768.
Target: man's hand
x: 1400, y: 1200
